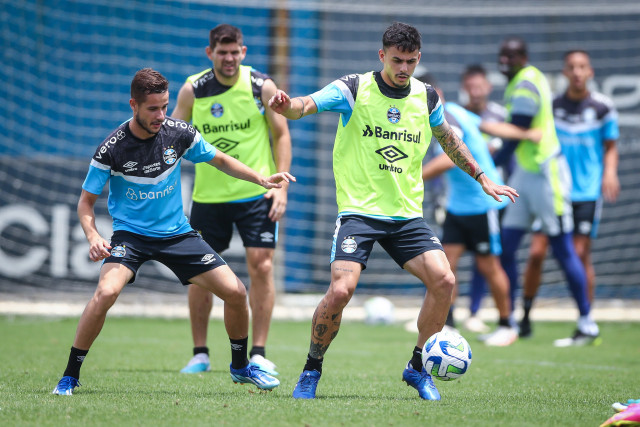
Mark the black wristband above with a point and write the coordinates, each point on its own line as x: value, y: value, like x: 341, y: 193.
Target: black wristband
x: 479, y: 175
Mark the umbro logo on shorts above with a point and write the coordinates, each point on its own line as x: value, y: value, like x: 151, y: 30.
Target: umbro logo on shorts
x: 208, y: 258
x: 266, y: 237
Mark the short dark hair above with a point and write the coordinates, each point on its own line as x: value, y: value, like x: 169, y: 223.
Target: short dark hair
x: 403, y: 36
x: 146, y: 82
x: 473, y: 70
x: 517, y: 45
x: 224, y: 33
x: 572, y: 51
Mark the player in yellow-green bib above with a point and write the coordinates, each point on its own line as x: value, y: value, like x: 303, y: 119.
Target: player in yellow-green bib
x: 387, y: 119
x: 226, y: 104
x: 543, y: 178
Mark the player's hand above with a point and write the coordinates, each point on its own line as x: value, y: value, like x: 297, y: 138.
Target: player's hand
x: 280, y: 102
x: 99, y: 249
x: 278, y: 204
x: 610, y: 187
x: 274, y: 180
x: 494, y: 190
x: 534, y: 135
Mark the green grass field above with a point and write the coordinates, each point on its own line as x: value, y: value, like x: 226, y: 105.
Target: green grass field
x: 130, y: 377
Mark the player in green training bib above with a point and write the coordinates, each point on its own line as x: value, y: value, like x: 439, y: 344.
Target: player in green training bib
x: 386, y: 122
x: 543, y: 178
x: 226, y: 104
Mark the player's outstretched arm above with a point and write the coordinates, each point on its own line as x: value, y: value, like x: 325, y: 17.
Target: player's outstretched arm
x: 98, y: 247
x: 281, y: 139
x: 459, y: 153
x: 237, y: 169
x: 436, y: 167
x: 292, y: 109
x: 509, y: 131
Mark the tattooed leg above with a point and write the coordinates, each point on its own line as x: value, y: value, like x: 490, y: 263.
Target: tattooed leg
x: 328, y: 314
x: 324, y: 328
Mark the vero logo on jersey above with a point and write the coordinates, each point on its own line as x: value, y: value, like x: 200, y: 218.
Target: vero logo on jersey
x: 109, y: 142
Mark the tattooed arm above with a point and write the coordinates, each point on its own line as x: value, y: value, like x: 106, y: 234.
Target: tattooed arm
x: 459, y: 153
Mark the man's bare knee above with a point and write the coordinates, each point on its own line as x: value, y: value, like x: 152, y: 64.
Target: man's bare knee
x: 340, y: 297
x: 443, y: 287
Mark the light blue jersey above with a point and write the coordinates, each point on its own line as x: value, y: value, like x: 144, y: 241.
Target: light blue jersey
x: 145, y: 195
x: 582, y: 128
x: 465, y: 196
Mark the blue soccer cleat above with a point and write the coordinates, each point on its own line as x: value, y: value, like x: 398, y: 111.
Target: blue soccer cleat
x: 422, y: 382
x: 66, y: 385
x: 254, y: 375
x: 307, y: 384
x: 198, y: 363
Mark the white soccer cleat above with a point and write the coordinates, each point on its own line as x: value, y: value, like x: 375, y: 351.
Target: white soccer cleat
x: 475, y: 324
x: 501, y: 337
x: 198, y: 363
x: 265, y: 364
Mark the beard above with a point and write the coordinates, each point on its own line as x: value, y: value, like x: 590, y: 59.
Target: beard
x: 145, y: 125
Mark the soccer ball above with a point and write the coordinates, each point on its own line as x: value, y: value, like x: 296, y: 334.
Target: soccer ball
x: 379, y: 310
x: 446, y: 356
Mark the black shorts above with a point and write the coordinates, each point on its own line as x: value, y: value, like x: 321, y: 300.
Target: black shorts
x: 214, y: 221
x: 187, y: 255
x: 586, y: 218
x: 402, y: 240
x: 478, y: 233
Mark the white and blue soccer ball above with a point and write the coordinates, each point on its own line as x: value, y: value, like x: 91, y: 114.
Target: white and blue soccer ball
x: 446, y: 356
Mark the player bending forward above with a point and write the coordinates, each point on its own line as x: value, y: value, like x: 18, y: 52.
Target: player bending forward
x: 141, y: 161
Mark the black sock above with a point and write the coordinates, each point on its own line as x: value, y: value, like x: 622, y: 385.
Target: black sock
x: 239, y: 353
x: 527, y: 304
x: 198, y: 350
x: 257, y: 350
x: 449, y: 321
x: 313, y: 364
x: 416, y: 359
x: 504, y: 322
x: 76, y: 357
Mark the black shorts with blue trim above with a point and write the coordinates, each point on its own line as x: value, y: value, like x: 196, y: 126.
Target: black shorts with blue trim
x: 214, y: 221
x: 187, y: 255
x: 403, y: 240
x: 586, y: 217
x: 477, y: 233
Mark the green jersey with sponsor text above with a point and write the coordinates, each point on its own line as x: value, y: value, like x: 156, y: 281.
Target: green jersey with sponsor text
x: 377, y: 156
x: 232, y: 119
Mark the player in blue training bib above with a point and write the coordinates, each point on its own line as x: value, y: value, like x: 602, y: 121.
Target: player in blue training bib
x: 141, y: 162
